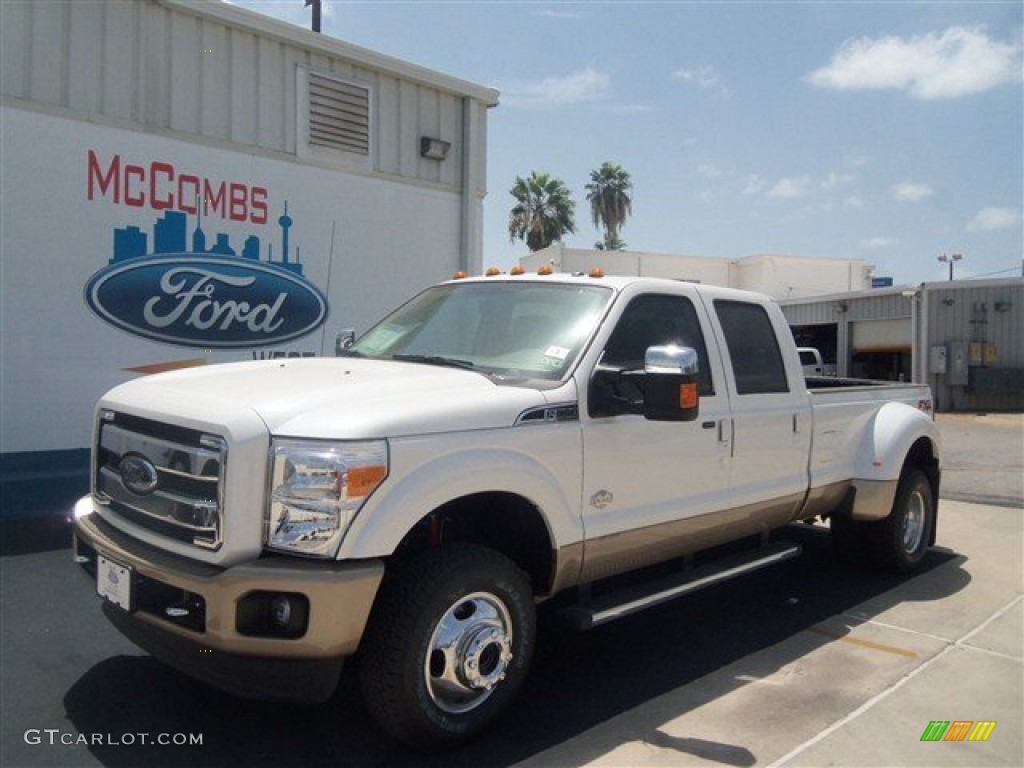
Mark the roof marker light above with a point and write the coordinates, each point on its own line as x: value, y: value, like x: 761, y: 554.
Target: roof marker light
x: 545, y: 269
x: 597, y: 272
x: 517, y: 270
x: 460, y: 275
x: 492, y: 272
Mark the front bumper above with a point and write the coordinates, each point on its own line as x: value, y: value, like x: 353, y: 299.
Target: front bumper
x: 206, y: 643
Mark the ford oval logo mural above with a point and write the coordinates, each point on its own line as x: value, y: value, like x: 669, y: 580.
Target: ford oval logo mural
x: 206, y: 301
x: 196, y: 295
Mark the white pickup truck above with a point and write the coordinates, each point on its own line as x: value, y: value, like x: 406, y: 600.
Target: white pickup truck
x: 493, y: 443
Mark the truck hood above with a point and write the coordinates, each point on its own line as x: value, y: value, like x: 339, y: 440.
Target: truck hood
x: 335, y: 398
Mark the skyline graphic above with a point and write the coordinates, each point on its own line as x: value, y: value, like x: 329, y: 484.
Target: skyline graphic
x: 170, y: 236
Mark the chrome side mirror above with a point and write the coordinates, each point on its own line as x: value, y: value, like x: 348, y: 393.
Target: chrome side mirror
x: 670, y: 383
x: 345, y: 339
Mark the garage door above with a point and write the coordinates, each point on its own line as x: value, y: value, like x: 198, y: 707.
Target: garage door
x: 882, y: 335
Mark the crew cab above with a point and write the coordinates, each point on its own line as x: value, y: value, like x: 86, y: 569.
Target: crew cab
x: 491, y: 444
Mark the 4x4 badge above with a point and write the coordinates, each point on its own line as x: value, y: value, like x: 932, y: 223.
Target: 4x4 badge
x: 601, y: 499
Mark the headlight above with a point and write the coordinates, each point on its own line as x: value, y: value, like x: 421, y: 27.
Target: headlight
x: 316, y: 489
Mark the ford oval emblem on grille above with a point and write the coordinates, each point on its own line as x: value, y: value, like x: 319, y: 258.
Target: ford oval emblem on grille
x: 138, y: 474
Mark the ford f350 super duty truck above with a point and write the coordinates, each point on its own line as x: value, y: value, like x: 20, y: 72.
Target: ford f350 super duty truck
x: 493, y: 443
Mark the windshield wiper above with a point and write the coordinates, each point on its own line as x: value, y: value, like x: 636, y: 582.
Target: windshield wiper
x: 449, y: 362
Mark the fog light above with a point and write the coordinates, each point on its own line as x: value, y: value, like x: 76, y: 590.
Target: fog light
x: 281, y: 610
x: 272, y: 614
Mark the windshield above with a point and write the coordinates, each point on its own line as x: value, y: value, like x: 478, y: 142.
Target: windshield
x: 510, y: 330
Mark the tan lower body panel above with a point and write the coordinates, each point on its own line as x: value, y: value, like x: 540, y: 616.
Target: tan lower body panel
x: 340, y: 597
x: 874, y: 499
x: 626, y: 551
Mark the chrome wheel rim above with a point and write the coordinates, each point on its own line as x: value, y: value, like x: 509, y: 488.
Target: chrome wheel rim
x: 914, y: 522
x: 469, y: 653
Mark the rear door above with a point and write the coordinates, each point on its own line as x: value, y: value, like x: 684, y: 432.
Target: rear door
x: 771, y: 412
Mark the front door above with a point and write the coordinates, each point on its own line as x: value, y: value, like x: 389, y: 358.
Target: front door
x: 651, y: 485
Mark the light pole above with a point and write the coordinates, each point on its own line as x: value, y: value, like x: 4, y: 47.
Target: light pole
x: 952, y: 258
x: 316, y: 13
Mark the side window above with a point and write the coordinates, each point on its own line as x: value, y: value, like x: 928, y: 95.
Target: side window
x: 657, y: 319
x: 756, y: 360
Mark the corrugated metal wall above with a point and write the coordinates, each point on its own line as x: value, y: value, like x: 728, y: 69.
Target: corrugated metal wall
x: 965, y: 311
x: 206, y: 70
x: 848, y: 308
x: 982, y: 311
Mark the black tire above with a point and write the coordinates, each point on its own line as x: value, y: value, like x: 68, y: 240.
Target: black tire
x: 899, y: 542
x: 448, y: 646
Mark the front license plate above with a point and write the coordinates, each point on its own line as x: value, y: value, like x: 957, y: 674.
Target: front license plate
x: 114, y: 582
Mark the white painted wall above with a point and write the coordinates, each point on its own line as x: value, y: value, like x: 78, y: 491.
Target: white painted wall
x: 780, y: 276
x: 390, y: 239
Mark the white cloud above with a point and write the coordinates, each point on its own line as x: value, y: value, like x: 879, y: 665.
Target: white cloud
x: 957, y: 62
x: 792, y: 187
x: 911, y: 192
x: 878, y: 242
x: 994, y: 218
x: 754, y: 185
x: 703, y: 77
x: 854, y: 203
x: 834, y: 180
x: 630, y: 109
x: 803, y: 186
x: 550, y: 14
x: 709, y: 171
x: 580, y: 87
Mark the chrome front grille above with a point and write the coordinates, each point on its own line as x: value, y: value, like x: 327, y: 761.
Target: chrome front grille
x: 164, y: 478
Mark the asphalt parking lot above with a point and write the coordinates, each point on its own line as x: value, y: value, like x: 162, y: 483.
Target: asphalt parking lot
x: 808, y: 663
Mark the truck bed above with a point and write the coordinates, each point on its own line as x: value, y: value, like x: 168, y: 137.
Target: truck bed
x: 834, y: 382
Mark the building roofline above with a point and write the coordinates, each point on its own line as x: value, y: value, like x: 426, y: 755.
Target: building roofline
x: 900, y: 290
x: 312, y: 41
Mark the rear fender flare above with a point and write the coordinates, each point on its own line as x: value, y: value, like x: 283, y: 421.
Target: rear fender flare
x: 882, y: 454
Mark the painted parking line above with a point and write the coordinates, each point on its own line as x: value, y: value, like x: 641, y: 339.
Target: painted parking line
x: 845, y: 637
x: 873, y: 701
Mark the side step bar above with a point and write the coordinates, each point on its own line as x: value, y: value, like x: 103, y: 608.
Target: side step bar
x: 624, y: 602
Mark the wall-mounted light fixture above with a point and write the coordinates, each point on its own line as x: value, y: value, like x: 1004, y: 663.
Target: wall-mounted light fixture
x: 839, y: 307
x: 434, y: 149
x: 1002, y: 306
x: 949, y: 301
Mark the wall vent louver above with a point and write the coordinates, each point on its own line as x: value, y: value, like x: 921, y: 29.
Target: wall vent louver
x: 339, y: 115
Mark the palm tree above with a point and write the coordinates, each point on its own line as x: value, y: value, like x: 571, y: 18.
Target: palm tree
x: 609, y: 193
x: 544, y: 210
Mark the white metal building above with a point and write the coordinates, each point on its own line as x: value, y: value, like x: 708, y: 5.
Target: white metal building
x: 189, y: 182
x: 964, y: 338
x: 779, y: 276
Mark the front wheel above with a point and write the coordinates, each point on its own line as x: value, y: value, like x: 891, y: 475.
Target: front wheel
x: 448, y: 645
x: 899, y: 542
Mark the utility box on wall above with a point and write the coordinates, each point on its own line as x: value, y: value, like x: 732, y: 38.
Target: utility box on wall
x: 937, y: 359
x: 958, y: 363
x: 982, y: 353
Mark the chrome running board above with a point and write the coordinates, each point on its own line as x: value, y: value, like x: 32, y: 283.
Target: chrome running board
x: 616, y: 605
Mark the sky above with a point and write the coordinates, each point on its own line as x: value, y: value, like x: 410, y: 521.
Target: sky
x: 885, y: 131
